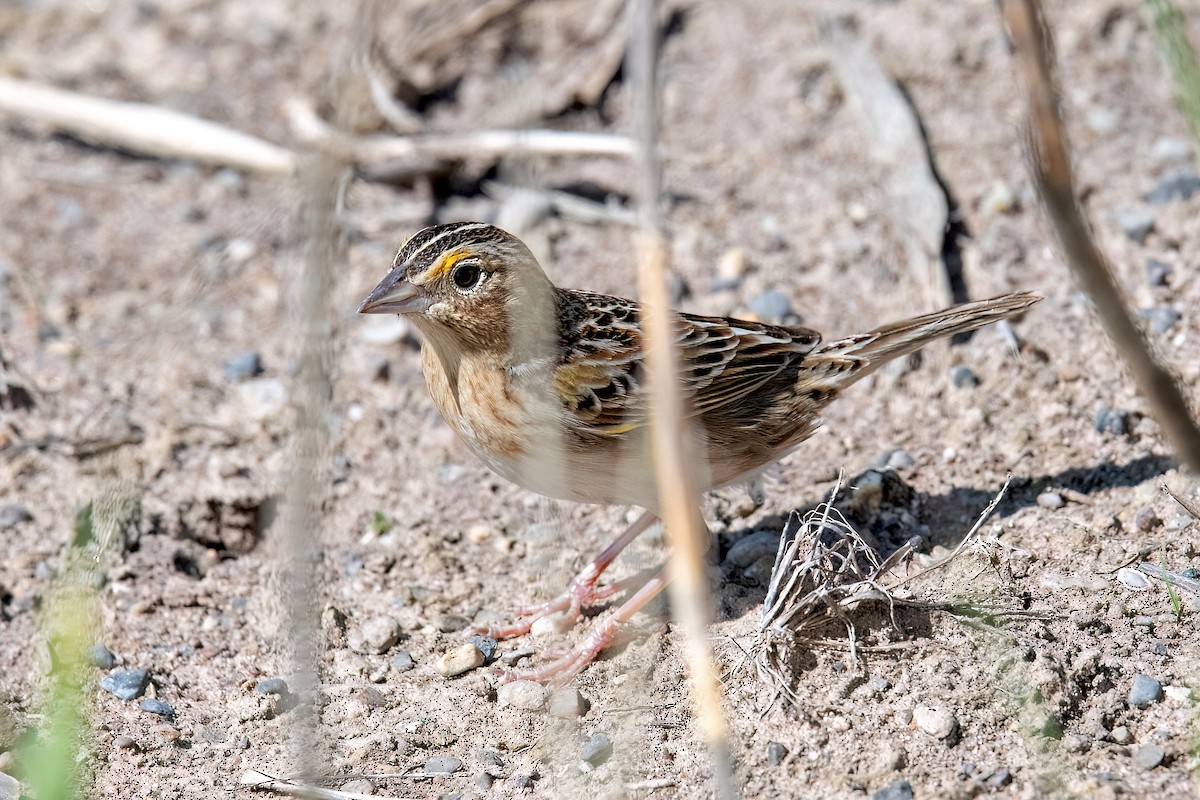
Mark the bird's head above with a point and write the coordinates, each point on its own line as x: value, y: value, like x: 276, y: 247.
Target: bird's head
x: 468, y: 284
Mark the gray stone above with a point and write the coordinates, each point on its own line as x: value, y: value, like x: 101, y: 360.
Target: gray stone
x: 525, y: 695
x: 100, y: 656
x: 963, y: 377
x: 1000, y: 778
x: 263, y: 398
x: 453, y: 623
x: 771, y: 306
x: 1144, y: 691
x: 1174, y: 189
x: 1136, y: 223
x: 597, y: 749
x: 1161, y: 318
x: 568, y: 703
x: 1149, y: 756
x: 776, y: 753
x: 899, y: 459
x: 243, y: 366
x: 271, y: 686
x: 1121, y: 735
x: 487, y: 645
x: 10, y: 787
x: 1158, y: 273
x: 13, y: 514
x: 158, y: 707
x: 1110, y: 420
x: 896, y: 790
x: 403, y: 661
x: 748, y: 549
x: 443, y: 765
x: 1169, y: 150
x: 375, y: 636
x: 127, y: 684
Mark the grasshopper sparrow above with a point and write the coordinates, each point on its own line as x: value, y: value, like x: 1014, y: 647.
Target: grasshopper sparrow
x: 546, y: 386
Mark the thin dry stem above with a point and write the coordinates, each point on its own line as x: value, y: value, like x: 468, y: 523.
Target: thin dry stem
x: 1050, y: 163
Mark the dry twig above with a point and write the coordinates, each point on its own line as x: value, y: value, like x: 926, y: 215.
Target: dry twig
x: 1050, y: 163
x: 142, y: 128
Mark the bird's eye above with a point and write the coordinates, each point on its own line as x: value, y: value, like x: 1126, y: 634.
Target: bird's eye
x: 466, y: 276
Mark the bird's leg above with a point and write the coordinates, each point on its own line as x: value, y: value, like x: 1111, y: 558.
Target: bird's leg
x: 561, y: 670
x: 581, y: 592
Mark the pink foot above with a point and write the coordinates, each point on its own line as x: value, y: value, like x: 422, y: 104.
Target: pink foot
x: 582, y: 593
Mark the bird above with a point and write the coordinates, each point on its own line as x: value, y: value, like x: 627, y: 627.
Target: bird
x: 547, y: 386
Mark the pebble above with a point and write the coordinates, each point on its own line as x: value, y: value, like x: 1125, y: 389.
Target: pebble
x: 100, y: 656
x: 1110, y: 420
x: 568, y: 703
x: 896, y: 790
x: 1000, y: 778
x: 403, y: 661
x: 375, y: 636
x: 1051, y: 500
x: 597, y: 749
x: 1178, y: 694
x: 10, y: 787
x: 1121, y: 735
x: 459, y: 660
x: 1136, y: 223
x: 1149, y: 756
x: 1102, y: 121
x: 243, y: 366
x: 13, y: 515
x: 1144, y: 691
x: 153, y: 706
x: 1161, y: 318
x: 271, y: 686
x: 936, y: 721
x: 1158, y: 273
x: 1133, y: 579
x: 123, y: 742
x: 1168, y: 150
x: 1174, y: 189
x: 453, y: 623
x: 733, y: 264
x: 963, y: 377
x: 1146, y: 520
x: 1000, y: 199
x: 263, y: 398
x: 771, y: 306
x: 127, y: 684
x: 899, y: 459
x: 443, y: 765
x: 776, y: 753
x: 749, y: 549
x: 525, y: 695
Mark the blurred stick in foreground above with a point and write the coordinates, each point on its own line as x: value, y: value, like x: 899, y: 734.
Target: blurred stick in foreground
x: 142, y: 128
x: 1050, y: 164
x: 670, y: 437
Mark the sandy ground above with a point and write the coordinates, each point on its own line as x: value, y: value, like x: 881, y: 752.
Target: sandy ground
x: 126, y: 284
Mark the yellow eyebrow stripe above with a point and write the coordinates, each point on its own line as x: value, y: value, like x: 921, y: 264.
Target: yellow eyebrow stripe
x: 446, y: 263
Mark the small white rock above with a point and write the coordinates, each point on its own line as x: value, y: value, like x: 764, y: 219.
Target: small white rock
x: 459, y: 660
x: 1051, y: 500
x: 733, y: 264
x: 1133, y: 579
x: 479, y: 533
x: 262, y: 398
x: 552, y: 624
x: 375, y: 636
x: 1178, y: 694
x: 936, y: 721
x: 525, y: 695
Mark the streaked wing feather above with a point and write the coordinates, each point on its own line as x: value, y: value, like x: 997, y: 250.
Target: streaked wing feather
x: 601, y: 375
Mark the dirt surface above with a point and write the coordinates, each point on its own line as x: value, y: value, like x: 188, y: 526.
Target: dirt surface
x: 126, y: 284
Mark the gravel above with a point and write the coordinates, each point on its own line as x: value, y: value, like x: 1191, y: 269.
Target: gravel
x: 896, y: 790
x: 13, y: 514
x: 1051, y: 500
x: 936, y: 721
x: 1110, y: 420
x: 1144, y: 691
x: 403, y: 661
x: 771, y: 306
x: 375, y: 636
x: 597, y: 749
x: 525, y: 695
x: 1174, y: 189
x: 100, y: 656
x: 158, y: 707
x: 487, y: 645
x: 443, y: 765
x: 1149, y: 756
x: 1136, y: 223
x: 963, y: 377
x: 10, y: 787
x: 567, y: 703
x: 748, y: 549
x: 459, y: 660
x: 243, y: 366
x: 1161, y: 318
x: 271, y: 686
x: 1158, y: 273
x: 776, y: 753
x: 127, y: 684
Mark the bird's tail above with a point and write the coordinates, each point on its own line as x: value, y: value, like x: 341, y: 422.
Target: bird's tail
x: 836, y: 365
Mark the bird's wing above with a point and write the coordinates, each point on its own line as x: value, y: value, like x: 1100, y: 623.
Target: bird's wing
x: 601, y: 380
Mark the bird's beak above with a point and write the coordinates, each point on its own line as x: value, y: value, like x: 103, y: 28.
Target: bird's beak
x: 395, y: 294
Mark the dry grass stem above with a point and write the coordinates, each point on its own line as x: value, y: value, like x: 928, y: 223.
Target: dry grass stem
x: 672, y: 442
x: 1050, y: 164
x: 823, y: 572
x: 141, y: 128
